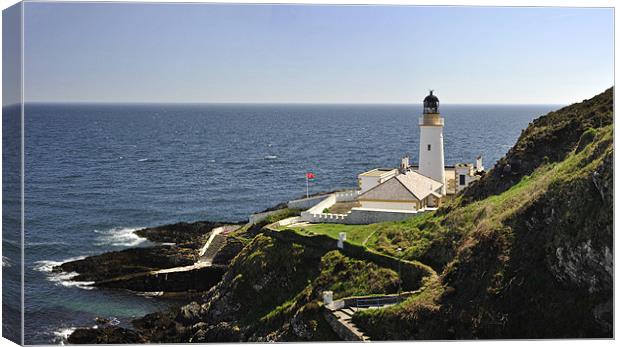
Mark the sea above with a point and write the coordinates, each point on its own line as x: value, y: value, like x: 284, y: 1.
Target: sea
x: 94, y: 173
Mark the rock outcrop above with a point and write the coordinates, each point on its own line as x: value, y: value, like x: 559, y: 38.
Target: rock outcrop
x: 119, y: 269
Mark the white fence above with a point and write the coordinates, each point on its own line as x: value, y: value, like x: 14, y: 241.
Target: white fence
x: 315, y: 213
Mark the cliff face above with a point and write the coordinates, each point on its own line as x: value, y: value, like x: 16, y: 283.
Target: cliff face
x: 548, y: 139
x: 535, y: 257
x: 547, y: 271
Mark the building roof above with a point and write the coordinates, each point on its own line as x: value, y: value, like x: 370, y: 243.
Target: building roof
x: 420, y: 185
x: 377, y: 172
x: 404, y: 187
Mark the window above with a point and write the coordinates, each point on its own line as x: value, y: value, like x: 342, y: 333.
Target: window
x: 429, y: 147
x: 462, y: 180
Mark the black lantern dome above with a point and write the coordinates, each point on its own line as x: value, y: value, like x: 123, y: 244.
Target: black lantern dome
x: 431, y: 104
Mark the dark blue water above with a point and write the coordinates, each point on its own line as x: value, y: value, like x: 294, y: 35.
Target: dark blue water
x: 94, y: 173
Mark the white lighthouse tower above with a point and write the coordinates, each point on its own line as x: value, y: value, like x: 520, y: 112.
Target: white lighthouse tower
x: 431, y: 161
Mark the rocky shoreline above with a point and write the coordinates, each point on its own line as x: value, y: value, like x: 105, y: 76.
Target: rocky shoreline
x: 137, y: 269
x: 177, y: 245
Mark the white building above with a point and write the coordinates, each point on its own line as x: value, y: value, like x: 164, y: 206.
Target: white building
x: 423, y: 186
x: 374, y: 177
x: 409, y: 191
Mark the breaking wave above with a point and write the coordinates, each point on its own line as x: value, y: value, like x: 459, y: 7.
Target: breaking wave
x: 119, y: 237
x: 61, y: 278
x: 61, y: 336
x: 6, y: 262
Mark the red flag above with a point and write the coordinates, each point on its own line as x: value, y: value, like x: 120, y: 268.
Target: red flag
x: 309, y: 175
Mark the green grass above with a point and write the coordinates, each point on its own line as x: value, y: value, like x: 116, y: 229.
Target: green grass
x: 246, y: 233
x: 344, y: 276
x: 356, y: 234
x: 281, y: 214
x: 414, y: 236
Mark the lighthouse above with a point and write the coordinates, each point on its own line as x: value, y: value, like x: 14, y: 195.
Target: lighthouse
x: 431, y: 160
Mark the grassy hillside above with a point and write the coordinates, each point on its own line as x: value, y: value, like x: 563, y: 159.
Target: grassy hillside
x: 534, y: 256
x: 271, y: 292
x: 419, y: 238
x: 548, y: 139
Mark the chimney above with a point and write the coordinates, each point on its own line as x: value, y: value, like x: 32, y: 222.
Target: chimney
x: 404, y: 164
x: 479, y: 166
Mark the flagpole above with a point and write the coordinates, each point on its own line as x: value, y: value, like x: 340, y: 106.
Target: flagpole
x: 307, y: 187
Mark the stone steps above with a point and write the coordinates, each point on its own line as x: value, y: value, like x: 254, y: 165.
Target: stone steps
x: 345, y: 317
x: 215, y: 246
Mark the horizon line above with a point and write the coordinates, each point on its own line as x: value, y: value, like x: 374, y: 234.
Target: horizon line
x: 264, y: 103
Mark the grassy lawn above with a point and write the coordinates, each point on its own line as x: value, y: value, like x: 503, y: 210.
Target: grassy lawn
x: 361, y: 234
x: 355, y: 233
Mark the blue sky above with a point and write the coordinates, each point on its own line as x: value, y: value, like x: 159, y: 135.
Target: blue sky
x: 107, y: 52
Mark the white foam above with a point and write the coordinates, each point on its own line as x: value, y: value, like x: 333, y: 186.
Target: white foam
x: 6, y: 262
x: 119, y: 237
x: 150, y: 294
x: 143, y: 159
x: 270, y: 157
x: 62, y: 278
x: 48, y: 265
x: 61, y: 336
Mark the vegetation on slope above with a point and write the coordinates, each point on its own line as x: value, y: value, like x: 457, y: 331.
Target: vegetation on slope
x: 271, y: 292
x: 300, y: 319
x: 535, y: 260
x: 420, y: 238
x: 548, y: 139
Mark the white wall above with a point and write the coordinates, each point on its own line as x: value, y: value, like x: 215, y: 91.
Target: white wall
x: 368, y: 182
x: 347, y: 195
x: 468, y: 178
x: 327, y: 202
x: 431, y: 162
x: 387, y: 205
x: 367, y: 214
x: 361, y: 216
x: 304, y: 204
